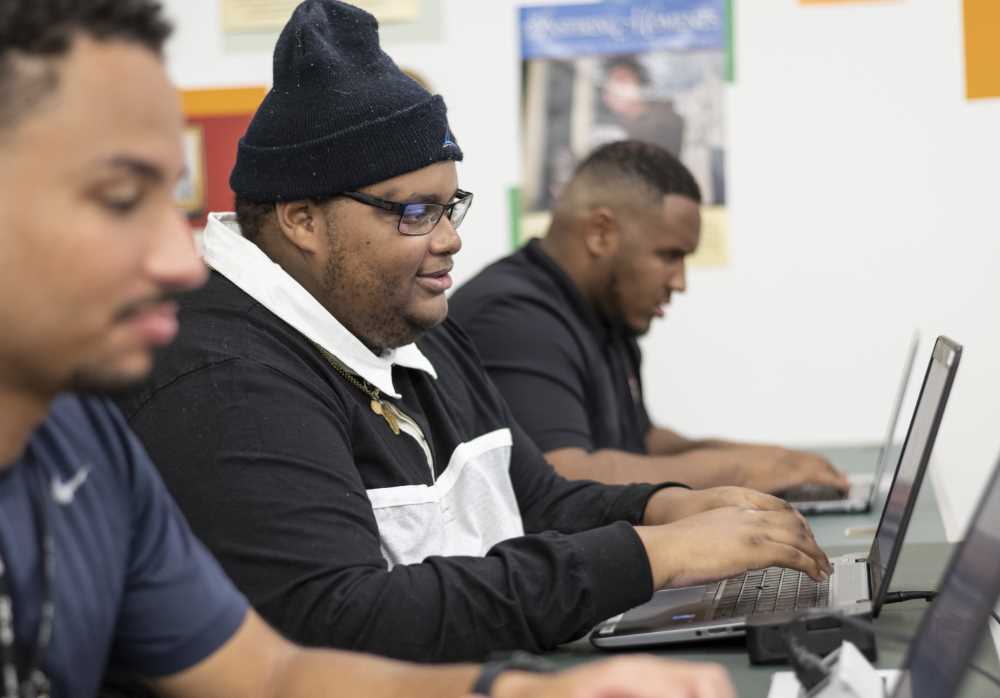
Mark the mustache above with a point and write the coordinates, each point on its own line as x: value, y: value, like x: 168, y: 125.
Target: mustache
x: 140, y: 305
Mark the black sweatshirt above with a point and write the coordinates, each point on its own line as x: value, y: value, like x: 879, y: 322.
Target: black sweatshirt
x: 271, y: 455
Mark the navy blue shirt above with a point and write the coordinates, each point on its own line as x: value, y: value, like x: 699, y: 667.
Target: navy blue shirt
x: 133, y: 588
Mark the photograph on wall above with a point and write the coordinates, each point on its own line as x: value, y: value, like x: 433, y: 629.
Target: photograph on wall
x: 190, y: 193
x: 215, y: 119
x: 649, y: 70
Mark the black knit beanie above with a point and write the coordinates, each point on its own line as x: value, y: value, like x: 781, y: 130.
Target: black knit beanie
x: 341, y: 115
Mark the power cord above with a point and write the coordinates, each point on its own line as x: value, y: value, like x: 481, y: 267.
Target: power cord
x: 809, y: 667
x: 901, y: 596
x: 905, y: 639
x: 995, y: 616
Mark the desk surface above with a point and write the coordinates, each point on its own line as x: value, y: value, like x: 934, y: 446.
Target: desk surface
x: 924, y: 556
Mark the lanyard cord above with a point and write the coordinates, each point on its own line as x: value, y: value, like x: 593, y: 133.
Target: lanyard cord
x: 35, y: 684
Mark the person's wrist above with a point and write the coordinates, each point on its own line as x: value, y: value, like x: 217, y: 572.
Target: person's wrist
x: 514, y: 683
x: 671, y: 504
x: 510, y: 672
x: 664, y: 506
x: 656, y: 540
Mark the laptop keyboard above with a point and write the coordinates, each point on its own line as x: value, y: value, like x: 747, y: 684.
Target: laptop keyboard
x: 768, y: 590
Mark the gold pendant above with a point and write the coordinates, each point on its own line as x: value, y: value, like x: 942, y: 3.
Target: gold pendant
x: 386, y: 412
x: 390, y: 416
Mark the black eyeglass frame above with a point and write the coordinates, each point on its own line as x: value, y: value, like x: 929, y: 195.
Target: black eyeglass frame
x: 464, y: 197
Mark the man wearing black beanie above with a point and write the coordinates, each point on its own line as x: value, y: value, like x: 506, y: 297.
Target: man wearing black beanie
x: 98, y: 569
x: 333, y: 438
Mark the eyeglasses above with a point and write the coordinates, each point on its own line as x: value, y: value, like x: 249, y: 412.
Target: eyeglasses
x: 418, y: 218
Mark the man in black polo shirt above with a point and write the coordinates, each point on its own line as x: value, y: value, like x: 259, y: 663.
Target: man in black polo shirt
x: 334, y: 439
x: 98, y: 569
x: 556, y: 325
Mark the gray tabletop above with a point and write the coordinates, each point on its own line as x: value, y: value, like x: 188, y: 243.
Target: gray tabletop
x: 924, y: 556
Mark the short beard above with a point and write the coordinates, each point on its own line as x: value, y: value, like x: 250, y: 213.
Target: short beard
x: 381, y: 328
x: 613, y: 313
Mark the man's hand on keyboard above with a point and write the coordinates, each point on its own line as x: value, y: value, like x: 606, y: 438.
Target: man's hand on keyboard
x: 775, y: 469
x: 725, y: 542
x: 675, y: 503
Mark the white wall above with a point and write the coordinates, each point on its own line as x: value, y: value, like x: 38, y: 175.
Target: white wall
x: 864, y: 203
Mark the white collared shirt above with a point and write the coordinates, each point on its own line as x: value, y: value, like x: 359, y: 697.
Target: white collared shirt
x: 247, y: 266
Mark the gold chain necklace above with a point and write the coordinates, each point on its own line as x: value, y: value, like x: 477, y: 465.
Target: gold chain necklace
x: 383, y: 409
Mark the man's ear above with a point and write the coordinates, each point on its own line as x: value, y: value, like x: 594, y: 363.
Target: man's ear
x: 602, y: 233
x: 302, y: 224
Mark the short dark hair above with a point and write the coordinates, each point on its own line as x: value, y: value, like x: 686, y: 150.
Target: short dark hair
x: 46, y: 28
x: 252, y: 216
x: 645, y: 163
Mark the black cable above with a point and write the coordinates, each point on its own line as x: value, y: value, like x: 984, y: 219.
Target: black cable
x: 900, y: 596
x: 809, y: 667
x: 995, y: 616
x: 905, y: 639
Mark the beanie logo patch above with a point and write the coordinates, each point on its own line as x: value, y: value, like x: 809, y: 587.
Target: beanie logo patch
x: 448, y: 142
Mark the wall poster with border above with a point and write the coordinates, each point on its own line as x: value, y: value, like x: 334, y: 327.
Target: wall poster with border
x: 652, y: 70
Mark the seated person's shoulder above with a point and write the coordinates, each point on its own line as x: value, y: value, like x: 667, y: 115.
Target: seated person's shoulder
x: 225, y: 334
x: 522, y: 326
x: 509, y: 282
x: 84, y: 427
x: 92, y: 458
x: 220, y: 321
x: 449, y: 343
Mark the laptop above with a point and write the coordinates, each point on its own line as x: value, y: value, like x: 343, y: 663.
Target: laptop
x: 859, y: 582
x: 953, y: 626
x: 865, y: 487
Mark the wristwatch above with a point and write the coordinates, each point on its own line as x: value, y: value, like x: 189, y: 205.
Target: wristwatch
x: 517, y: 661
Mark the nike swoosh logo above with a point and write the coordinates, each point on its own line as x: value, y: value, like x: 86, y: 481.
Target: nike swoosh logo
x: 64, y: 491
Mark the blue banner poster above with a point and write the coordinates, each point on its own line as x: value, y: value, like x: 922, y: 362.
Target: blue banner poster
x: 650, y: 70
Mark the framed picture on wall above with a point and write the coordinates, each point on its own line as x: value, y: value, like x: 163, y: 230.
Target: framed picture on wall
x: 190, y: 193
x: 215, y: 120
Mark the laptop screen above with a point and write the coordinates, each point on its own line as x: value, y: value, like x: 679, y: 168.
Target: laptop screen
x: 912, y: 465
x: 886, y: 452
x: 953, y: 626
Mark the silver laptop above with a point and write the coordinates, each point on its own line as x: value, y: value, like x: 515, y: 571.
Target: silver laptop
x: 953, y: 626
x: 865, y: 487
x: 858, y: 583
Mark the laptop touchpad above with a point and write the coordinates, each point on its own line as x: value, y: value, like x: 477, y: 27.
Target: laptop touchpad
x: 667, y: 607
